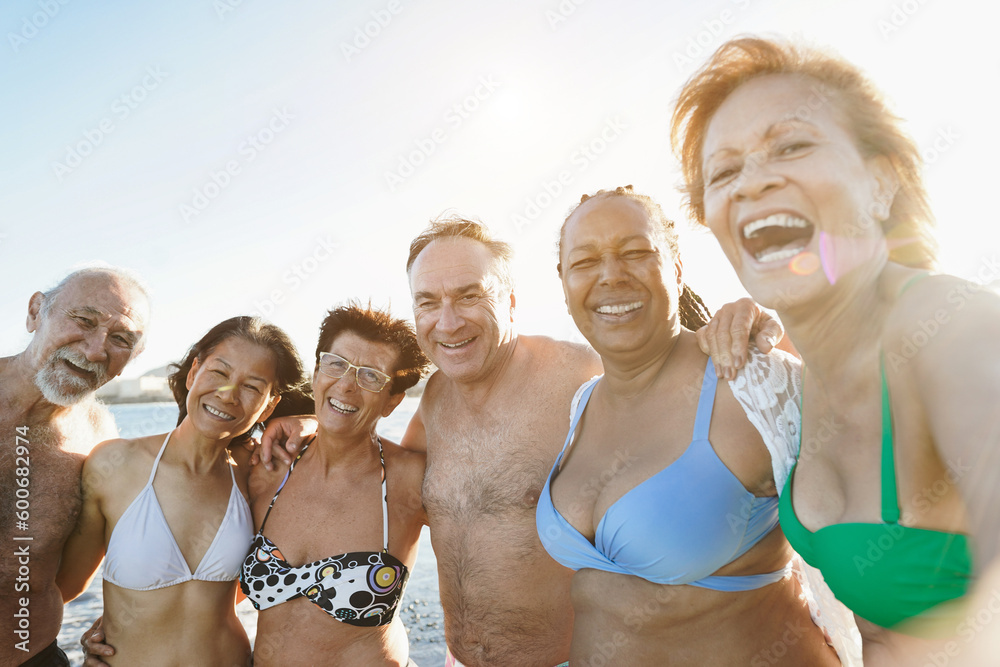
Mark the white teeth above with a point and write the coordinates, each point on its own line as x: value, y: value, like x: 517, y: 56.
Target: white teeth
x: 219, y: 413
x: 619, y: 308
x: 776, y: 220
x: 772, y: 255
x: 341, y: 407
x: 454, y: 345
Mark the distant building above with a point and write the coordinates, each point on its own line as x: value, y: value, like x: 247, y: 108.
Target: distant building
x: 149, y: 388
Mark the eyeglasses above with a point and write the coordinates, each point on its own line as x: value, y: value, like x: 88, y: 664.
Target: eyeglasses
x: 336, y: 367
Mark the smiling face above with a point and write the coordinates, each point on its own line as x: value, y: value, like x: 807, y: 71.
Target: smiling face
x: 85, y: 336
x: 231, y: 389
x: 620, y: 280
x: 344, y: 408
x: 462, y: 311
x: 788, y: 195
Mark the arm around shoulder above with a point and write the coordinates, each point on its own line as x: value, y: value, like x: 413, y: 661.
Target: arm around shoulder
x: 84, y: 549
x: 411, y: 464
x: 415, y: 438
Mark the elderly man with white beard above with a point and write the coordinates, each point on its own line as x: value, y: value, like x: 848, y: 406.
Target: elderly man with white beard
x: 85, y: 330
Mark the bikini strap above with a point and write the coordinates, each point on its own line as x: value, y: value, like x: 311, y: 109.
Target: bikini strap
x: 156, y: 461
x: 890, y: 499
x: 581, y: 405
x: 282, y: 485
x: 890, y: 494
x: 911, y: 281
x: 706, y: 401
x: 385, y: 499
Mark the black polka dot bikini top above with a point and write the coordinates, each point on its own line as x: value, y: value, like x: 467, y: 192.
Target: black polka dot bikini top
x: 360, y: 588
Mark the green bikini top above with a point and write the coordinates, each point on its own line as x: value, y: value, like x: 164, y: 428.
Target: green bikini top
x: 884, y: 572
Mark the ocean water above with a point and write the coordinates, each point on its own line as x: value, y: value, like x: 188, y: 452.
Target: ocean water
x: 420, y: 607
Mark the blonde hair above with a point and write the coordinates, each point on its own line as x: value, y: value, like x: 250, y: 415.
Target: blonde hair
x: 876, y: 130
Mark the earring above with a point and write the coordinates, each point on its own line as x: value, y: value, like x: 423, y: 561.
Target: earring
x: 255, y: 433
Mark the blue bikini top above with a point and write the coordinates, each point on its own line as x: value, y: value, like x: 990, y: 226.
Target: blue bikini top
x: 677, y: 527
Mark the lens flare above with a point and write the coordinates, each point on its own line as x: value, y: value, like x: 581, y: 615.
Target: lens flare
x: 804, y: 264
x: 827, y: 257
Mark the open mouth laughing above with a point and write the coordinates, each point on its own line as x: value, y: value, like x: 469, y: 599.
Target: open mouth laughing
x: 342, y: 408
x: 619, y: 308
x: 777, y: 237
x: 215, y: 412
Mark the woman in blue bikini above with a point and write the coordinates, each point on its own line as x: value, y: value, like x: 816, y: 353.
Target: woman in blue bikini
x: 664, y: 497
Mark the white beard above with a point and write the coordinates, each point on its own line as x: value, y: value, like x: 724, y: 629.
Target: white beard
x: 60, y: 386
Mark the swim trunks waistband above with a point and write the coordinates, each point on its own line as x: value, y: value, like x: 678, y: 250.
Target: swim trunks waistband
x: 50, y: 656
x: 450, y: 661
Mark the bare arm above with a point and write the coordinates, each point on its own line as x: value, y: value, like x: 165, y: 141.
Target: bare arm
x: 958, y: 375
x: 415, y: 437
x: 84, y: 549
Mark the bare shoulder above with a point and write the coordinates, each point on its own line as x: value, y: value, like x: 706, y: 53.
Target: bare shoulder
x: 407, y: 462
x: 574, y: 362
x: 555, y: 351
x: 119, y: 458
x: 943, y: 324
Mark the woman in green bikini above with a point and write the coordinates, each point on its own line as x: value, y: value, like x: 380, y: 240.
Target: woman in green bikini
x: 814, y: 193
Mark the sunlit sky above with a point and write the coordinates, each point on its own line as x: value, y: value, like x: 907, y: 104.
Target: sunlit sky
x: 277, y: 158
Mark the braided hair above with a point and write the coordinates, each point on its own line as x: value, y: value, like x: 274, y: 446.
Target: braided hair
x: 693, y: 312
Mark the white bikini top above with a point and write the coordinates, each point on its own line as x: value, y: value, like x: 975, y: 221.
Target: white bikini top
x: 143, y: 555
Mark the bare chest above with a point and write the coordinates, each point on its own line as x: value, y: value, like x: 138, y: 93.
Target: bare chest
x: 490, y: 462
x: 39, y: 488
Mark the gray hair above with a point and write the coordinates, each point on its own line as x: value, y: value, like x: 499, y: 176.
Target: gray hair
x: 455, y: 226
x: 126, y: 276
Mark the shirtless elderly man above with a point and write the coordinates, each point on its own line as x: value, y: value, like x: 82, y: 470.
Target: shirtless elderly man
x: 492, y: 420
x: 86, y: 330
